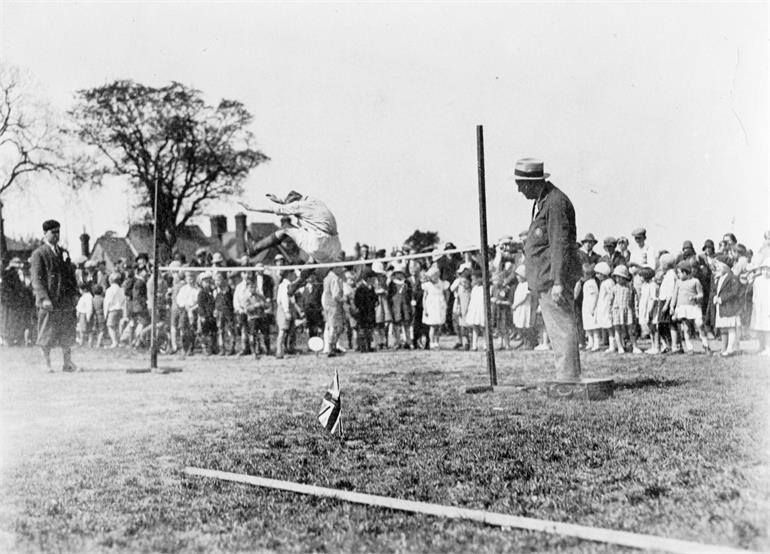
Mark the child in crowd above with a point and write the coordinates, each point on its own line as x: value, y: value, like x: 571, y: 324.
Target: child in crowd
x: 603, y: 310
x: 419, y: 333
x: 365, y: 302
x: 383, y: 315
x: 475, y: 318
x: 349, y: 307
x: 622, y: 304
x: 285, y: 311
x: 99, y: 320
x: 254, y: 306
x: 461, y: 288
x: 400, y: 299
x: 521, y: 308
x: 114, y: 306
x: 187, y: 300
x: 85, y: 312
x: 206, y: 308
x: 686, y: 306
x: 590, y: 288
x: 729, y: 301
x: 760, y: 313
x: 224, y: 314
x: 434, y: 304
x: 648, y: 308
x: 665, y: 296
x: 502, y: 300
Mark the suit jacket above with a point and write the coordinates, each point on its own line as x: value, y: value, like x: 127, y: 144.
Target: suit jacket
x: 551, y: 247
x: 731, y: 295
x: 53, y: 278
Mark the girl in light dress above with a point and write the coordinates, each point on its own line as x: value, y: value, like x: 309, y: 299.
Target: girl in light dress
x: 623, y: 313
x: 648, y: 307
x: 522, y: 308
x: 475, y: 318
x: 665, y: 297
x: 434, y: 304
x: 461, y: 288
x: 760, y: 313
x: 590, y: 288
x: 686, y: 307
x: 603, y: 310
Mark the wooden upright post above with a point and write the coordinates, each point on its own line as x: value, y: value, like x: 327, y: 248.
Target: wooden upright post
x: 485, y: 256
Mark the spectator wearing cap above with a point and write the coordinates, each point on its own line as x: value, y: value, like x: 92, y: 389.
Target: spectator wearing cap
x: 206, y: 313
x: 400, y: 300
x: 266, y: 286
x: 241, y: 294
x: 586, y: 252
x: 201, y: 258
x: 642, y: 253
x: 365, y: 303
x: 332, y: 302
x: 217, y: 260
x: 552, y: 263
x: 611, y: 256
x: 56, y: 295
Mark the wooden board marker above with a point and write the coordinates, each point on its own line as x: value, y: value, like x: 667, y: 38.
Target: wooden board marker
x: 633, y: 540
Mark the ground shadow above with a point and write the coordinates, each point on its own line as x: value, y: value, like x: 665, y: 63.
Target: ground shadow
x: 648, y: 382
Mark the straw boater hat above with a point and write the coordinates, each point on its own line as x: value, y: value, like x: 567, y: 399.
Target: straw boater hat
x: 529, y: 169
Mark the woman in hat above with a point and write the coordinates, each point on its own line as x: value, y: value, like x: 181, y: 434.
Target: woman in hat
x: 728, y: 302
x: 11, y: 312
x: 760, y: 313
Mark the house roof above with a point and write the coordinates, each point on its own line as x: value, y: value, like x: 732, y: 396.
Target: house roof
x: 112, y: 248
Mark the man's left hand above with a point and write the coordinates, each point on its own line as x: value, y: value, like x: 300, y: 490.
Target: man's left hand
x: 557, y: 294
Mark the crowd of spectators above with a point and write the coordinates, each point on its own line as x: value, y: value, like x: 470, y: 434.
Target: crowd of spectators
x: 632, y: 298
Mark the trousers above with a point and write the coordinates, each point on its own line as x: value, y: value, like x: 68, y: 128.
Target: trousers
x: 561, y: 326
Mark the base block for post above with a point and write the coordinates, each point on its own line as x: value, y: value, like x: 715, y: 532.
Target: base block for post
x: 581, y: 389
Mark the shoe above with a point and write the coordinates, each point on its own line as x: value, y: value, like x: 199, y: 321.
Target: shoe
x: 637, y: 350
x: 727, y: 353
x: 69, y: 368
x: 244, y: 353
x: 608, y: 351
x: 331, y: 354
x: 542, y: 347
x: 652, y: 350
x: 621, y: 350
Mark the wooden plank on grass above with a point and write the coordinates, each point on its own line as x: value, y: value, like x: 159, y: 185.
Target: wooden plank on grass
x: 624, y: 538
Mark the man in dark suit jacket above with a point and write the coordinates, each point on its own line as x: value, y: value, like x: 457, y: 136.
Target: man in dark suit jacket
x: 552, y: 262
x: 56, y: 295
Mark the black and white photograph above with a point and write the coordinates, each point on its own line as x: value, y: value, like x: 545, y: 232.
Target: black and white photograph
x: 384, y: 277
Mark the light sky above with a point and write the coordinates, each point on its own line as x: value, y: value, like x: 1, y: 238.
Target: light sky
x: 645, y: 114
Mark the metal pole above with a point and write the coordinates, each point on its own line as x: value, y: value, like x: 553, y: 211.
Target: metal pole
x: 155, y: 265
x: 485, y: 256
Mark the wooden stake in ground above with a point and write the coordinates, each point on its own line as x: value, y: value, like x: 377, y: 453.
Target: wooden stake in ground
x: 491, y: 367
x: 624, y: 538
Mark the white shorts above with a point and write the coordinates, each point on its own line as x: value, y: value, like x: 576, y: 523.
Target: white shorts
x: 321, y: 247
x: 691, y: 312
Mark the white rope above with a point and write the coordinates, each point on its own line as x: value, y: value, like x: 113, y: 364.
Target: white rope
x: 346, y: 263
x: 597, y: 534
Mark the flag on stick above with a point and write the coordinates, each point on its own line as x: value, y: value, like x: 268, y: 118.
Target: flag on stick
x: 331, y: 406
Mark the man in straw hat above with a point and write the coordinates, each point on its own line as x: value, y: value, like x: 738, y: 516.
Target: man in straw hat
x: 552, y: 263
x: 56, y: 295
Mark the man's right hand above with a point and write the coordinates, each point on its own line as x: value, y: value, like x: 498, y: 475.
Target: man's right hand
x: 46, y: 305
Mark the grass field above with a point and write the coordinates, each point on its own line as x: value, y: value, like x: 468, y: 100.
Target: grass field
x: 93, y: 461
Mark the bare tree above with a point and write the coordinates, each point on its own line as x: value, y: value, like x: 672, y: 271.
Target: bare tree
x: 30, y: 140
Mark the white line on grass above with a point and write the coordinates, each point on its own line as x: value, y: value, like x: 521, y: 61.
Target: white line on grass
x: 634, y: 540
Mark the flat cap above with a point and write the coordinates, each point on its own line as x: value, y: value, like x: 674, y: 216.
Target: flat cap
x: 50, y: 224
x: 639, y: 231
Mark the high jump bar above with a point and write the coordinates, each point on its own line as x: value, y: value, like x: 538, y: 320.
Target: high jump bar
x: 346, y: 263
x: 596, y: 534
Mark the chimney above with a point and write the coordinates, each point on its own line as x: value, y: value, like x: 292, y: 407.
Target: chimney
x: 240, y: 234
x: 84, y: 246
x: 218, y: 226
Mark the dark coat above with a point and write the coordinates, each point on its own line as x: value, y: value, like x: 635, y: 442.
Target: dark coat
x: 365, y: 301
x: 551, y: 246
x: 53, y: 278
x: 731, y: 295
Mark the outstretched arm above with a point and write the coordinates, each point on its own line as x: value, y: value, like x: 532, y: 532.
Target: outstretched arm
x: 260, y: 210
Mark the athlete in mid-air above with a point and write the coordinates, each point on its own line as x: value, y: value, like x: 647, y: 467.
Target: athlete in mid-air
x: 313, y: 229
